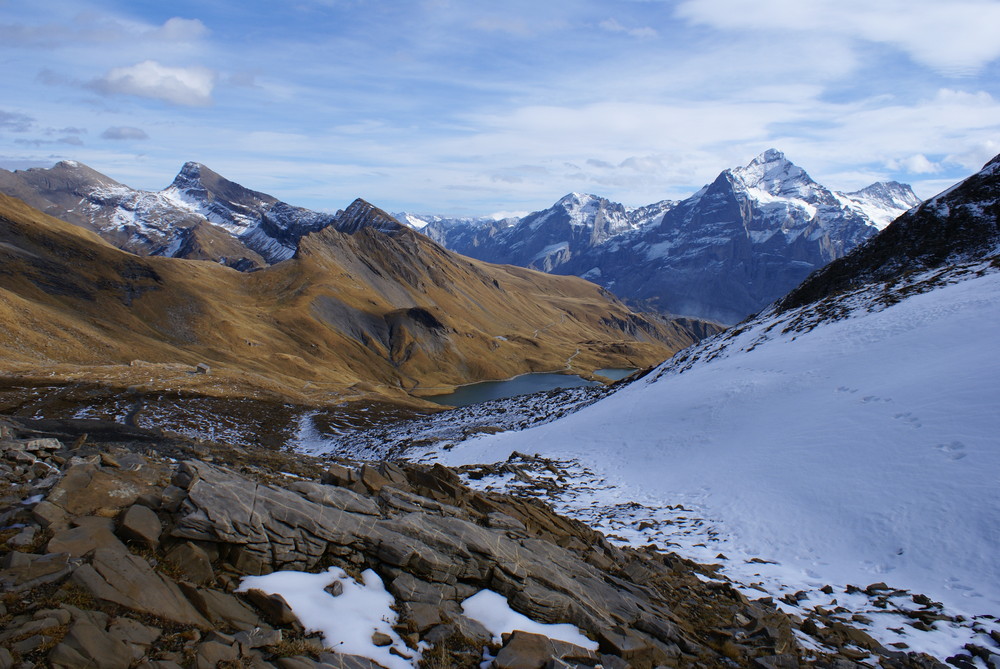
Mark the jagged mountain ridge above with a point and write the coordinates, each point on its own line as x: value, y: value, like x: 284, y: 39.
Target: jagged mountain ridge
x: 961, y: 223
x: 200, y: 215
x: 731, y: 248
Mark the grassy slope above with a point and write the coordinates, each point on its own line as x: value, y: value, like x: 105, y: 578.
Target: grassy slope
x: 350, y: 316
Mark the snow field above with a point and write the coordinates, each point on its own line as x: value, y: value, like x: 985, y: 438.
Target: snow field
x: 860, y: 451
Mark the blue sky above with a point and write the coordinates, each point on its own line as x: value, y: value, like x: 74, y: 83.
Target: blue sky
x: 467, y: 107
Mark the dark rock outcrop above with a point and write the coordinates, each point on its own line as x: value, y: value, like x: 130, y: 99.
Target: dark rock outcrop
x: 143, y: 556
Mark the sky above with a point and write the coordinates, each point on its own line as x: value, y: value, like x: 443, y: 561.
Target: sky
x: 468, y: 107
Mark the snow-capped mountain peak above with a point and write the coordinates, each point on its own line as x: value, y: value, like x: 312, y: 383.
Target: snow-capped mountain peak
x: 582, y: 207
x: 882, y: 202
x: 772, y: 173
x: 731, y: 248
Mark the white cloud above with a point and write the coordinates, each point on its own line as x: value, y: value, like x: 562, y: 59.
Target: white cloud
x: 99, y: 28
x: 613, y: 26
x: 187, y: 86
x: 179, y: 29
x: 956, y: 38
x: 915, y: 164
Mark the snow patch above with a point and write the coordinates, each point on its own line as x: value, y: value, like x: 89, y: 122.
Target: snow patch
x: 494, y: 613
x: 346, y: 621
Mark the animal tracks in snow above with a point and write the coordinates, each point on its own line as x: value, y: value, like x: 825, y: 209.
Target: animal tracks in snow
x: 954, y: 450
x: 906, y: 417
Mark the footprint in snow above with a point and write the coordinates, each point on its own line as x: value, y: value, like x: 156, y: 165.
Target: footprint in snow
x: 954, y: 450
x: 908, y: 417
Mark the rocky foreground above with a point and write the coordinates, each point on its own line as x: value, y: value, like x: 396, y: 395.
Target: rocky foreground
x: 122, y: 547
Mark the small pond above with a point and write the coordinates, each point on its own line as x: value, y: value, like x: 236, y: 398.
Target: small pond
x: 475, y: 393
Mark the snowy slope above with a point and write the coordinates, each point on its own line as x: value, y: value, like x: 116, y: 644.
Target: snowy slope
x: 848, y: 434
x: 862, y: 450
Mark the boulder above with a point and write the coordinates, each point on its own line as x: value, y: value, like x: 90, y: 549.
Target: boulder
x: 211, y: 653
x: 193, y: 562
x: 88, y: 489
x: 462, y: 628
x: 140, y: 524
x: 533, y: 651
x: 23, y: 538
x: 221, y: 608
x: 50, y: 516
x: 87, y: 645
x: 117, y: 576
x: 25, y: 571
x: 259, y: 637
x: 136, y: 636
x: 339, y: 475
x: 80, y: 541
x: 274, y: 607
x: 340, y: 661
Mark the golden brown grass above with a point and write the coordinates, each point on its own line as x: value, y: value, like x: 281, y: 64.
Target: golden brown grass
x: 406, y: 316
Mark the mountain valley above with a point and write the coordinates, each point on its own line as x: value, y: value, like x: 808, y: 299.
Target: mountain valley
x: 837, y: 451
x: 366, y: 309
x: 813, y: 487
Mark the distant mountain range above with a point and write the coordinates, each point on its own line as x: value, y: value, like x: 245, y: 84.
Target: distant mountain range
x: 725, y: 252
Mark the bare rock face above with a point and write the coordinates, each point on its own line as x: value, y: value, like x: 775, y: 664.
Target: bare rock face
x: 145, y: 555
x: 115, y: 575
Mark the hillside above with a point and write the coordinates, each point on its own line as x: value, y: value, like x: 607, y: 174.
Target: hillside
x: 127, y: 548
x: 837, y: 451
x: 365, y: 314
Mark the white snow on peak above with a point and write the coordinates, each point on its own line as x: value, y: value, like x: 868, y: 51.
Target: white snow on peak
x: 581, y: 208
x: 412, y: 221
x: 182, y: 198
x: 771, y: 172
x: 881, y: 203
